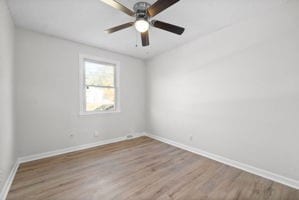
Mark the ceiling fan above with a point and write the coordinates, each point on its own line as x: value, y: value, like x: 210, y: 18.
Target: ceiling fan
x: 143, y: 12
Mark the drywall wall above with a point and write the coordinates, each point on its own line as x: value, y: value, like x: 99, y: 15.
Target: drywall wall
x: 47, y: 95
x: 7, y: 138
x: 234, y: 93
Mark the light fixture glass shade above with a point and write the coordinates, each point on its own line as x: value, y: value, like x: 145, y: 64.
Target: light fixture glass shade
x: 141, y: 25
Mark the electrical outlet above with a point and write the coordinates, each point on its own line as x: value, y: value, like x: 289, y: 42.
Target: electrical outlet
x: 96, y: 134
x: 191, y: 137
x: 1, y: 177
x: 72, y: 133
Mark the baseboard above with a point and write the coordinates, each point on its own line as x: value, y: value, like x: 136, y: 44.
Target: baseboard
x: 24, y: 159
x: 9, y: 181
x: 260, y: 172
x: 73, y: 149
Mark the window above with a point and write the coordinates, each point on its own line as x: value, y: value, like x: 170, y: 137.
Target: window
x: 98, y: 85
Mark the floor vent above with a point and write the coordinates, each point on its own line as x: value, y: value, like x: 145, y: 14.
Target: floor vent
x: 130, y: 136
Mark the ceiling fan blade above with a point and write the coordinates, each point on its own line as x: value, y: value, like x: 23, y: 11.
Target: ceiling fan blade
x: 119, y: 6
x: 159, y: 6
x: 118, y: 28
x: 168, y: 27
x: 145, y: 39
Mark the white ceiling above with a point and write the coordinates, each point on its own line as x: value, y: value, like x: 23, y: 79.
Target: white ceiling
x: 84, y: 21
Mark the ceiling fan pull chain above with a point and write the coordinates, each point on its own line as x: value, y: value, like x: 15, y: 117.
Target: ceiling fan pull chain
x: 136, y: 39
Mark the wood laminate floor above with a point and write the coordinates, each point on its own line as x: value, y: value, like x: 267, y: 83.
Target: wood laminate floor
x: 139, y: 169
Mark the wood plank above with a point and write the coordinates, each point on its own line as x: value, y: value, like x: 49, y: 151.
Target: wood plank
x: 141, y: 168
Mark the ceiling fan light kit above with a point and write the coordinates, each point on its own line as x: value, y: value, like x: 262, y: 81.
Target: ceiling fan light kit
x: 141, y: 25
x: 143, y: 11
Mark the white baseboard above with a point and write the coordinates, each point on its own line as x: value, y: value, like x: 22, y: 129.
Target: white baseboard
x: 68, y: 150
x: 260, y: 172
x: 24, y: 159
x: 9, y: 181
x: 76, y: 148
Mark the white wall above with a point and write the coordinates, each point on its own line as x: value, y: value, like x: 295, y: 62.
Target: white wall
x: 47, y: 95
x: 7, y: 153
x: 236, y: 91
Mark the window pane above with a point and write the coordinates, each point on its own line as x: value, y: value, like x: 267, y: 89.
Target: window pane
x: 99, y: 74
x: 100, y: 99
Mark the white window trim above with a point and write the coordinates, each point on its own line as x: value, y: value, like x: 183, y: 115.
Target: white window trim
x: 82, y: 58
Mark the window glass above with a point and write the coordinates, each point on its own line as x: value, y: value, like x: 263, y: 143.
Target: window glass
x: 99, y: 86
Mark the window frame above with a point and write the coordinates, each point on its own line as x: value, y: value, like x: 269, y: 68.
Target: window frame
x: 82, y: 88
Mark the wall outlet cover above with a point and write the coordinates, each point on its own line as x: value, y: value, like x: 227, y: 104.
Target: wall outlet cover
x: 96, y: 134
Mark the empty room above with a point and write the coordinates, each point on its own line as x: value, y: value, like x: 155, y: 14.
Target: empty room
x: 149, y: 100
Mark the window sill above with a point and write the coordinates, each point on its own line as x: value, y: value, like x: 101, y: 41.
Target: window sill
x: 98, y: 113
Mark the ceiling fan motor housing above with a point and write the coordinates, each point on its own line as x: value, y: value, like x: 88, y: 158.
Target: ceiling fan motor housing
x: 140, y: 9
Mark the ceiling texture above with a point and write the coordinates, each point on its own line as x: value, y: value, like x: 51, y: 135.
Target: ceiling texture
x: 84, y: 21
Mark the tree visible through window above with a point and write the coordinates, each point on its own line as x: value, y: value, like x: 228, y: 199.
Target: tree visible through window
x: 99, y: 86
